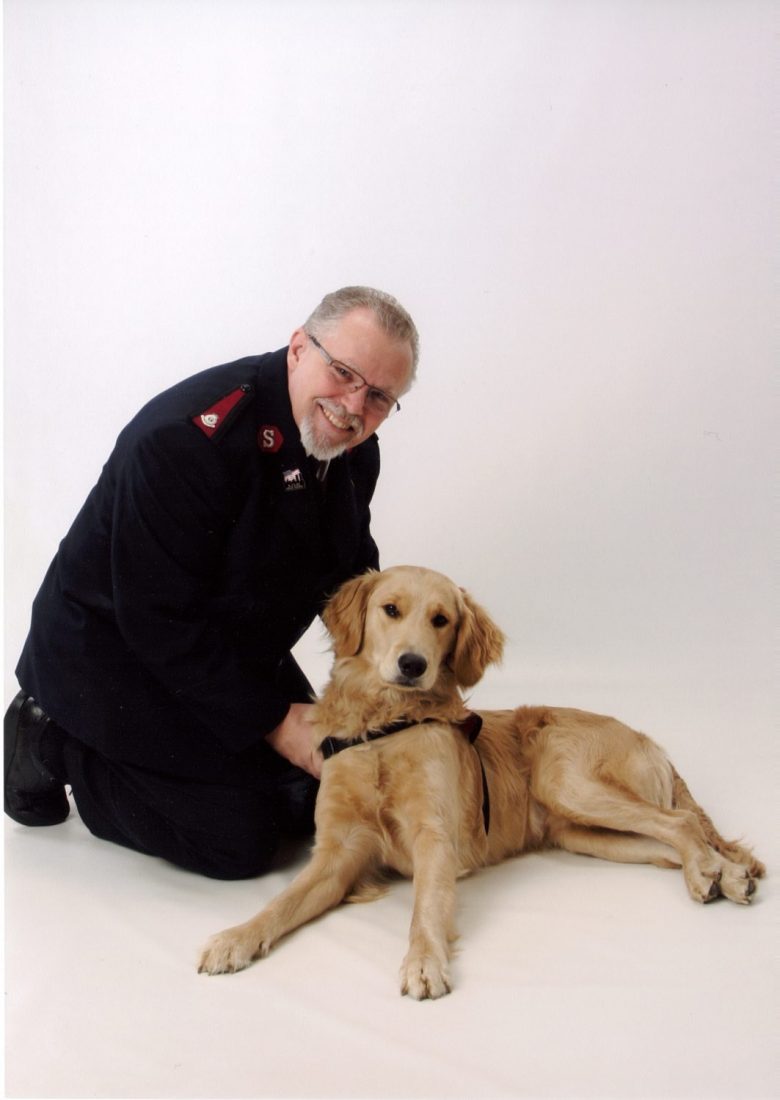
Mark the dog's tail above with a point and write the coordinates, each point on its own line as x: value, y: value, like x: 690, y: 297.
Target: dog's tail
x: 684, y: 800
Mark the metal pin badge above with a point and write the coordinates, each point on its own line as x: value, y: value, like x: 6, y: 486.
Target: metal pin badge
x: 293, y: 480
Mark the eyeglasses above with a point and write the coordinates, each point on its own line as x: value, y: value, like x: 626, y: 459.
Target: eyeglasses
x: 350, y: 380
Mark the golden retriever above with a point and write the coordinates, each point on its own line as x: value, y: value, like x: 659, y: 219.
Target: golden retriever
x: 431, y: 802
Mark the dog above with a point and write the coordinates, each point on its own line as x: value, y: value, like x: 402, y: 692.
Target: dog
x: 422, y: 790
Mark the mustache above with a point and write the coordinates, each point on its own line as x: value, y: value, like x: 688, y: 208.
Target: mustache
x: 335, y: 409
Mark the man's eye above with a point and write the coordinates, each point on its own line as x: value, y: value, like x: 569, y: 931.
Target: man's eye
x: 379, y: 399
x: 344, y: 374
x: 439, y: 621
x: 391, y: 610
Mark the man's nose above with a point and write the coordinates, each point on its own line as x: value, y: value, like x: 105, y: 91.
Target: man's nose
x: 354, y: 400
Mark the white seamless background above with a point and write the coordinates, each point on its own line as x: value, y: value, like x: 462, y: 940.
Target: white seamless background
x: 574, y: 200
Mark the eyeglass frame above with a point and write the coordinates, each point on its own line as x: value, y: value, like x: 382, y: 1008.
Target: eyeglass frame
x: 395, y: 404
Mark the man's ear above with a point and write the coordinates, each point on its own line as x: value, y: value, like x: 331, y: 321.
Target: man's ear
x: 479, y: 643
x: 296, y: 348
x: 344, y: 614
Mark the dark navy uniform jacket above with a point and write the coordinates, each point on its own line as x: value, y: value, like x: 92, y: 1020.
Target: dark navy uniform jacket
x: 199, y: 559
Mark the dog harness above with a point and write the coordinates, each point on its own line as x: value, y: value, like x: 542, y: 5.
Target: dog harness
x: 470, y: 725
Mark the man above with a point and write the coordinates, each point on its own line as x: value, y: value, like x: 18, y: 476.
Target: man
x: 157, y: 679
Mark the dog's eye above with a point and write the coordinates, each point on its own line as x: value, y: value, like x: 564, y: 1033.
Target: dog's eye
x: 439, y: 621
x: 391, y: 610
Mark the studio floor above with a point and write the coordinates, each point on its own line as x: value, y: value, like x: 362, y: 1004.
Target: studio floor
x: 574, y: 977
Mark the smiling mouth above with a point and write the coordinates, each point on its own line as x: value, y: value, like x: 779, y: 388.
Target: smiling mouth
x: 342, y: 424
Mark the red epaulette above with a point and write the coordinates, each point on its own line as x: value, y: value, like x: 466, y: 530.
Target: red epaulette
x: 215, y: 419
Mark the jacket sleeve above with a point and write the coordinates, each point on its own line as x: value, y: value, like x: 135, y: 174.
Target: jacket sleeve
x: 174, y: 501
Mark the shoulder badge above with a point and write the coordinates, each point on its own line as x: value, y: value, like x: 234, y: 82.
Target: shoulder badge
x: 216, y: 417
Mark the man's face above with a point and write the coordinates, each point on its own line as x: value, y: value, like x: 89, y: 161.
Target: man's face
x: 330, y: 419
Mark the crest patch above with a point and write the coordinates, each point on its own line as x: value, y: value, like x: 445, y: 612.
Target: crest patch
x: 215, y: 417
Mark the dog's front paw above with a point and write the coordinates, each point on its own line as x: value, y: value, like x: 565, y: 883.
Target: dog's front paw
x: 424, y: 977
x: 230, y: 951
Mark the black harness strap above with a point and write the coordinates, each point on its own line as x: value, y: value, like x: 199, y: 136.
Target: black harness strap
x: 331, y: 745
x: 471, y: 726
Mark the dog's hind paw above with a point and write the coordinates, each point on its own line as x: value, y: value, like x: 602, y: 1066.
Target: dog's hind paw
x: 737, y: 884
x: 720, y: 877
x: 423, y: 978
x: 230, y: 951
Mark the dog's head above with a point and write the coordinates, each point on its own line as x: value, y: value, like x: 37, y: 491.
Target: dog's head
x: 411, y: 625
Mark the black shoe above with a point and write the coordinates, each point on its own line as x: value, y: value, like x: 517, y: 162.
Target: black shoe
x: 33, y: 796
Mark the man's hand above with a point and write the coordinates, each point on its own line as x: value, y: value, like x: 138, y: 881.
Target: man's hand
x: 293, y: 739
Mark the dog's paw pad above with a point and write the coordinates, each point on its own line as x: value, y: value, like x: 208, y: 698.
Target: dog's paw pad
x: 713, y: 892
x: 738, y: 884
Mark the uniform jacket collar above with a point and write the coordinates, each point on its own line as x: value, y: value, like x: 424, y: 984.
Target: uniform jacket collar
x: 325, y: 517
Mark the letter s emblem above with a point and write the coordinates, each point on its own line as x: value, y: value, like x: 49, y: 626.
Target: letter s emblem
x: 269, y: 438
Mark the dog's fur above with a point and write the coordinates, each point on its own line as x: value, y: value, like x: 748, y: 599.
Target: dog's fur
x: 405, y: 641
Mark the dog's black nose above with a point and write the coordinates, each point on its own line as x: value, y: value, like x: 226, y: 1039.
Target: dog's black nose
x: 412, y: 665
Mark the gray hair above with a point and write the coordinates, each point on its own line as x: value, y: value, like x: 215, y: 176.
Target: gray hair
x: 388, y: 311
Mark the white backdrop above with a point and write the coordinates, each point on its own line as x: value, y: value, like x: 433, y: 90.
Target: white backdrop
x: 572, y: 199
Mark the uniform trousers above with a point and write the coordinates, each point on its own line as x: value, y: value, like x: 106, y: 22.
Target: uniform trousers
x: 226, y: 826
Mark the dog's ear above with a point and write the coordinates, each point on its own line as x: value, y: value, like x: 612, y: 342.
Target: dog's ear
x: 344, y: 614
x: 479, y: 643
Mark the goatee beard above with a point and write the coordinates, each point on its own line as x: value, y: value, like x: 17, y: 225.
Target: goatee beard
x: 322, y: 448
x: 318, y: 448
